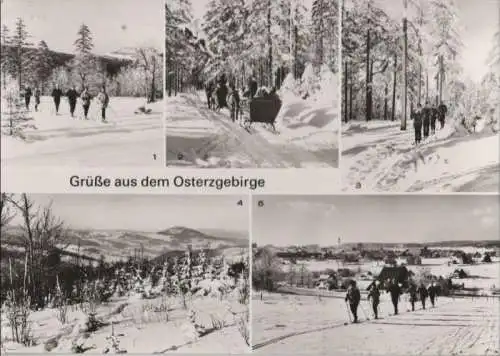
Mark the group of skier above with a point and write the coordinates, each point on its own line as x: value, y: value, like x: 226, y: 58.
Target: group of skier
x: 425, y: 118
x: 72, y: 96
x: 415, y: 292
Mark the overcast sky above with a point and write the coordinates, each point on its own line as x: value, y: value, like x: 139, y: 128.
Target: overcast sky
x: 479, y: 21
x: 149, y: 213
x: 114, y: 23
x: 289, y: 220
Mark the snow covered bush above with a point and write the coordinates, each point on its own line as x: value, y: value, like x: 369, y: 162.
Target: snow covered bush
x: 14, y: 116
x: 17, y: 311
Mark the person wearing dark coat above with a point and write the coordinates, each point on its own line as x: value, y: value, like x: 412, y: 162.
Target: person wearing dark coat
x: 417, y: 124
x: 56, y: 95
x: 434, y: 117
x: 433, y: 292
x: 374, y: 295
x: 395, y: 291
x: 426, y: 119
x: 412, y: 291
x: 253, y: 87
x: 37, y: 98
x: 86, y: 98
x: 442, y: 111
x: 209, y: 90
x: 422, y: 291
x: 72, y: 96
x: 27, y: 97
x: 353, y: 296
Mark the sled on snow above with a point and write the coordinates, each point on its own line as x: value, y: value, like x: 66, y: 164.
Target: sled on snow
x: 263, y: 110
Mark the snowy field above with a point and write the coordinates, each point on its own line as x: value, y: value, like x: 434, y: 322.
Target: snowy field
x: 128, y: 139
x: 377, y: 156
x: 306, y: 136
x: 287, y: 323
x: 160, y: 325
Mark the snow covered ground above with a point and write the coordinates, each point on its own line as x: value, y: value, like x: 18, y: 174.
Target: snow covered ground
x: 127, y: 140
x: 287, y: 323
x: 377, y: 156
x: 158, y: 325
x: 197, y: 137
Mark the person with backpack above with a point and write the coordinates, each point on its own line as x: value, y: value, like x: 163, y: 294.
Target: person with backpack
x: 103, y: 99
x: 86, y: 98
x: 442, y: 111
x: 412, y: 291
x: 27, y: 97
x: 433, y: 292
x: 72, y: 95
x: 434, y: 116
x: 37, y: 98
x: 395, y: 291
x: 417, y: 124
x: 56, y: 95
x: 422, y: 291
x: 426, y: 118
x: 353, y: 297
x: 374, y: 295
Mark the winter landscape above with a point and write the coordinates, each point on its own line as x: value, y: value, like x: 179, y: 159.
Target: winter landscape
x: 80, y: 89
x: 124, y: 274
x: 252, y: 84
x: 426, y: 68
x: 447, y: 245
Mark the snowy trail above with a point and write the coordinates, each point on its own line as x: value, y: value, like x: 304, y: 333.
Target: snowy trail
x: 198, y: 137
x: 126, y: 140
x: 379, y: 157
x: 455, y: 326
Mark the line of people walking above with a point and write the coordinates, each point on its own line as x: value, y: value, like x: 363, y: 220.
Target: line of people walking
x: 72, y: 95
x: 425, y: 119
x: 415, y: 293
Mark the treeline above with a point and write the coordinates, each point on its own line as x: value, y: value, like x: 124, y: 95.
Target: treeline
x: 392, y: 65
x: 264, y: 38
x: 39, y: 66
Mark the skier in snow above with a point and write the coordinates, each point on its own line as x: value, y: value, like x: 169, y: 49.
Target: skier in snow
x: 422, y: 291
x: 27, y: 97
x: 234, y: 101
x: 37, y: 98
x: 209, y: 90
x: 72, y: 95
x: 395, y: 291
x: 353, y: 296
x: 432, y: 291
x: 56, y: 94
x: 86, y: 98
x: 426, y: 119
x: 442, y: 111
x: 412, y: 291
x: 103, y: 99
x: 417, y: 124
x: 374, y: 295
x: 434, y: 117
x: 252, y: 87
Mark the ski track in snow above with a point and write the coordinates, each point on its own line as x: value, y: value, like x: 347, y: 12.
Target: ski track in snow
x: 380, y: 157
x: 209, y: 139
x: 454, y: 326
x: 127, y: 139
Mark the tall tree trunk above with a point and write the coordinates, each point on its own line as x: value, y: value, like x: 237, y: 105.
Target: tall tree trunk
x: 346, y: 74
x: 386, y: 93
x: 405, y: 69
x: 269, y: 44
x: 395, y: 73
x: 368, y: 76
x: 350, y: 100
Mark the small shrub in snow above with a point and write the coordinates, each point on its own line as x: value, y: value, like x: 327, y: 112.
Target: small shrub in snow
x: 113, y: 346
x: 243, y: 327
x: 18, y: 312
x: 14, y: 115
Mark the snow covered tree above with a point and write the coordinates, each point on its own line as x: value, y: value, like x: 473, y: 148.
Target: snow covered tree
x: 21, y: 58
x: 148, y: 59
x: 6, y: 56
x: 325, y: 16
x: 84, y: 65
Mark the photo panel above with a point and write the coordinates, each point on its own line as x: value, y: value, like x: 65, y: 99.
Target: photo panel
x: 252, y: 84
x: 82, y: 83
x: 420, y: 94
x: 111, y: 273
x: 388, y: 274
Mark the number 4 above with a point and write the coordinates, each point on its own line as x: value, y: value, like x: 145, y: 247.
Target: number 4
x: 240, y: 203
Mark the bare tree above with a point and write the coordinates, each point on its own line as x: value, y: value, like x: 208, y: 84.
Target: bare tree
x: 6, y: 212
x: 149, y: 60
